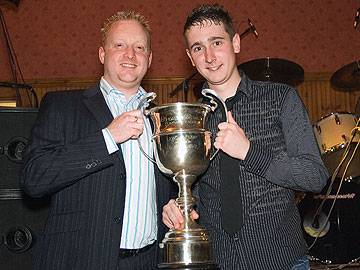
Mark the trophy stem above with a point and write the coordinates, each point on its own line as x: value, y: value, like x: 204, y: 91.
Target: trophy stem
x: 190, y: 247
x: 185, y: 200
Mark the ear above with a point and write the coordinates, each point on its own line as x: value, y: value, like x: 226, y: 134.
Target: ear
x: 150, y: 59
x: 102, y: 55
x: 189, y: 55
x: 236, y: 43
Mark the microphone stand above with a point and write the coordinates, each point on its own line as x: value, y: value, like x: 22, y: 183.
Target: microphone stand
x: 250, y: 29
x: 15, y: 85
x: 357, y: 18
x: 184, y: 86
x: 18, y: 86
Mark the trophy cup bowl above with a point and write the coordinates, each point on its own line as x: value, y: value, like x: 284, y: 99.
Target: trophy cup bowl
x: 183, y: 152
x: 182, y: 149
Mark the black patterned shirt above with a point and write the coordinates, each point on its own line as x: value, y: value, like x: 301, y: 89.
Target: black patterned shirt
x: 283, y: 157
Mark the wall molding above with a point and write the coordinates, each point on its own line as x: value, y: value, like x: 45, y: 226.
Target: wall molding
x: 316, y: 92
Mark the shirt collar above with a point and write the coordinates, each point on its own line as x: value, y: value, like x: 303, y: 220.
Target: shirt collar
x: 107, y: 89
x: 244, y: 85
x: 242, y: 89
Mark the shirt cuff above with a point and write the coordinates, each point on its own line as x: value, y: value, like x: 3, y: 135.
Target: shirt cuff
x: 258, y: 159
x: 109, y: 141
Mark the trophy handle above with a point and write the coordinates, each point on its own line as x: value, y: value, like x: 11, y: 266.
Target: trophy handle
x: 215, y: 101
x: 143, y: 104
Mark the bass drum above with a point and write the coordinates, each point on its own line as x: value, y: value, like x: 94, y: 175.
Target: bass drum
x: 339, y: 237
x: 332, y: 133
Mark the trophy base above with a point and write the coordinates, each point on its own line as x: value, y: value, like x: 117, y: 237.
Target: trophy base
x: 187, y: 249
x: 193, y: 266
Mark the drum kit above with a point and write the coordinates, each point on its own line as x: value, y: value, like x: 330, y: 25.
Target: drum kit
x: 331, y: 219
x: 333, y: 133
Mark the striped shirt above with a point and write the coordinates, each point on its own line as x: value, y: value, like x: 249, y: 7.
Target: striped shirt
x: 283, y: 156
x: 140, y: 215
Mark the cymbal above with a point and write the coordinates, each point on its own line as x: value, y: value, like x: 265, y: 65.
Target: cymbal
x: 347, y: 78
x: 274, y: 70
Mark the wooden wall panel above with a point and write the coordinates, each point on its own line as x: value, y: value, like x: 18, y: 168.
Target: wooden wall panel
x: 163, y: 89
x: 321, y: 99
x: 316, y: 92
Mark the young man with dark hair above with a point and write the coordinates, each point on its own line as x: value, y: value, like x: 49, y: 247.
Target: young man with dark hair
x: 268, y: 150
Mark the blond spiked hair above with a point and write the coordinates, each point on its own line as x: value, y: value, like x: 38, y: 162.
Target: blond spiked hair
x: 125, y: 16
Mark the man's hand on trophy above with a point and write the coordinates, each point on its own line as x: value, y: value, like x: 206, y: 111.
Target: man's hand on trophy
x: 128, y: 125
x: 173, y: 217
x: 232, y: 139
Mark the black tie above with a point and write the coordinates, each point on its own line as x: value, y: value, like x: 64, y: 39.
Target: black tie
x: 231, y: 205
x: 230, y: 195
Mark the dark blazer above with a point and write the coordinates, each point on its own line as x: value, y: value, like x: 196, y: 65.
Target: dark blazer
x: 67, y: 158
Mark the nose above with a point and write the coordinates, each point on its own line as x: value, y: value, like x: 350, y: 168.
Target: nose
x: 209, y: 56
x: 130, y: 52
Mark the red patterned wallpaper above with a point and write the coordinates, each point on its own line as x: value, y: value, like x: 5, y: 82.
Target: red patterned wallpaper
x: 60, y: 38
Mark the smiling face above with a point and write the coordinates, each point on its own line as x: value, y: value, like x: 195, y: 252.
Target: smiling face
x: 212, y: 52
x: 126, y: 55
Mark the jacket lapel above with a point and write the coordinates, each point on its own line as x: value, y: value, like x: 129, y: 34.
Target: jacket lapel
x: 96, y: 104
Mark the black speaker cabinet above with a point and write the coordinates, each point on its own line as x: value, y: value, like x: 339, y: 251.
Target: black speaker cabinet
x: 21, y: 218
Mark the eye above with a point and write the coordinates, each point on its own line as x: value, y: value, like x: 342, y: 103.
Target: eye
x: 140, y: 48
x: 197, y: 49
x: 217, y: 43
x: 120, y: 45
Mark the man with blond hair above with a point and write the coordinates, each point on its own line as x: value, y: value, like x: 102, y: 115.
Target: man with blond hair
x: 105, y: 195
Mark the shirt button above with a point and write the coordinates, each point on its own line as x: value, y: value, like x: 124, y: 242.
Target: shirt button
x: 117, y: 219
x: 88, y: 166
x: 236, y: 238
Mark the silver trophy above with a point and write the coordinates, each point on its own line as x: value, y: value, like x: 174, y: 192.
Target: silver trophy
x: 182, y: 149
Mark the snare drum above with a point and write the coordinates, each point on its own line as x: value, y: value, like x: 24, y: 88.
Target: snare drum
x: 332, y: 133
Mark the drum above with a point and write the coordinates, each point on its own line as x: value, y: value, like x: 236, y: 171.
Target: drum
x: 339, y: 235
x: 332, y: 133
